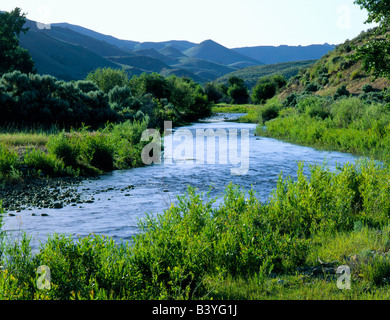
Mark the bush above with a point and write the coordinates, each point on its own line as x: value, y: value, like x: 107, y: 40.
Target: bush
x: 9, y: 161
x: 341, y: 92
x: 312, y: 87
x: 367, y: 88
x: 31, y: 100
x: 263, y: 91
x: 270, y: 110
x: 107, y: 78
x: 47, y: 164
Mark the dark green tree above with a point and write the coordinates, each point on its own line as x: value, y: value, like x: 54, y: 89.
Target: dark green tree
x: 263, y: 91
x: 237, y: 90
x: 12, y: 56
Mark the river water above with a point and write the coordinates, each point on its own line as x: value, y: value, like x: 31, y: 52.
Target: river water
x: 121, y: 198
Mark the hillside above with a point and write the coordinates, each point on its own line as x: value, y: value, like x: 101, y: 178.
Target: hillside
x: 272, y: 54
x: 251, y: 74
x: 335, y: 69
x: 61, y: 59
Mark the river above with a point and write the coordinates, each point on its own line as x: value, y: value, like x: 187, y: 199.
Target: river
x: 123, y: 197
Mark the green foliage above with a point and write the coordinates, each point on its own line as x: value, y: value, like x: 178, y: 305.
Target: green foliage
x: 341, y: 92
x: 367, y: 88
x: 378, y: 11
x: 327, y: 213
x: 47, y: 164
x: 88, y: 152
x: 267, y: 88
x: 107, y: 78
x: 356, y: 124
x: 12, y: 56
x: 237, y: 91
x: 375, y: 53
x: 9, y: 162
x: 31, y: 100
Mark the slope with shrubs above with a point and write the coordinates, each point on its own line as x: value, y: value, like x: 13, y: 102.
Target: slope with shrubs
x: 337, y: 68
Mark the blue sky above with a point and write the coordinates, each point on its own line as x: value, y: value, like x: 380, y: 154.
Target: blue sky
x: 232, y: 23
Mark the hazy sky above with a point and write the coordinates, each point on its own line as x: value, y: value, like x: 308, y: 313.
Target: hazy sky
x: 232, y: 23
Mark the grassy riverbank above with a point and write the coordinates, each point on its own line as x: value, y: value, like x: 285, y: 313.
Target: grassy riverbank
x: 285, y: 248
x: 251, y: 110
x: 74, y: 153
x: 349, y: 124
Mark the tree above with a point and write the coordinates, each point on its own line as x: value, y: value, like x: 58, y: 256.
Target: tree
x: 375, y: 53
x: 378, y: 11
x: 237, y: 90
x: 213, y: 93
x: 107, y: 78
x: 263, y: 91
x: 267, y: 87
x: 12, y: 56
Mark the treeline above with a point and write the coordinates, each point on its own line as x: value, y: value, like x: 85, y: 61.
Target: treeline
x: 237, y: 92
x: 107, y: 95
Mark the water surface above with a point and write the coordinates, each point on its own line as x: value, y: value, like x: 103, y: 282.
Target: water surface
x: 121, y: 198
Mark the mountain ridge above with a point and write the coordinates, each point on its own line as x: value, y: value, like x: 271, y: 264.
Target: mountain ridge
x: 66, y: 45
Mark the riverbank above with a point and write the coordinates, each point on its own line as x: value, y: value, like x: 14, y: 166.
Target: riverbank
x: 287, y: 248
x: 349, y: 124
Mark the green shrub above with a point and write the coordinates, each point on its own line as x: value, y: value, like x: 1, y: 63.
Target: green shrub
x: 341, y: 92
x: 9, y: 161
x: 367, y: 88
x: 47, y: 164
x: 270, y: 110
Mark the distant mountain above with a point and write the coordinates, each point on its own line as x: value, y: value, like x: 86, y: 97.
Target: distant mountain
x: 127, y: 44
x: 70, y: 52
x: 212, y: 51
x: 203, y: 68
x: 272, y: 55
x: 152, y: 53
x: 171, y: 51
x: 144, y: 63
x: 179, y: 45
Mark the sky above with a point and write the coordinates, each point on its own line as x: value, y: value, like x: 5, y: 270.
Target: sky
x: 232, y: 23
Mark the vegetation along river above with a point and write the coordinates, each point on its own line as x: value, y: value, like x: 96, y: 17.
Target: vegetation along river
x: 113, y: 203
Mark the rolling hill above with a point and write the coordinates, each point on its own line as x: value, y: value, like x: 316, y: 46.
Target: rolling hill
x: 272, y: 54
x: 251, y: 74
